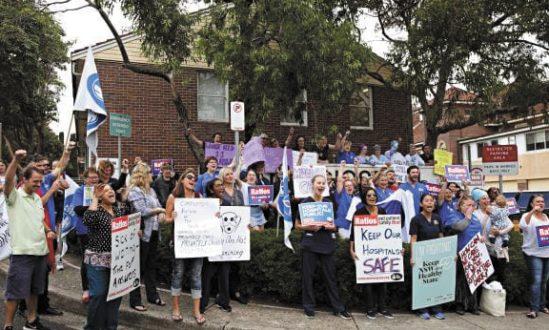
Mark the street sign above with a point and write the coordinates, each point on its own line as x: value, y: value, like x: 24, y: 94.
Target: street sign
x: 500, y: 160
x: 120, y: 125
x: 237, y: 116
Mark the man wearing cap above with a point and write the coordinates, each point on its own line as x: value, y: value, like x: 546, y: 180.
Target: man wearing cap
x: 413, y: 158
x: 164, y: 184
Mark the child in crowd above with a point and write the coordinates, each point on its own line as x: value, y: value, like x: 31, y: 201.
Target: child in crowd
x: 498, y: 219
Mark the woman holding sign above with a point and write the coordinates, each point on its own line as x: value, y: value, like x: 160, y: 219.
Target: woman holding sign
x: 535, y: 230
x: 318, y: 244
x: 376, y: 293
x: 102, y: 314
x: 425, y: 226
x: 185, y: 188
x: 257, y: 217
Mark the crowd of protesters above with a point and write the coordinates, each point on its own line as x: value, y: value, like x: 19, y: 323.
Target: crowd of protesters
x: 35, y: 220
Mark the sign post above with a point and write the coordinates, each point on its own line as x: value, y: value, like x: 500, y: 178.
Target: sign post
x: 120, y: 125
x: 500, y: 160
x: 237, y: 123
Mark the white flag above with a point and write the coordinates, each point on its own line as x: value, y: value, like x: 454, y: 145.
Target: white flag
x: 90, y: 98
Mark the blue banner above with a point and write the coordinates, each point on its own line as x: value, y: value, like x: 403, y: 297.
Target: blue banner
x: 316, y: 213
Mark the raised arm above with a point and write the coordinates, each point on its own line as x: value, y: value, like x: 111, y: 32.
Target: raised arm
x: 9, y: 185
x: 194, y: 138
x: 54, y: 187
x: 290, y: 137
x: 337, y: 145
x: 64, y: 161
x: 343, y: 140
x: 339, y: 179
x: 443, y: 188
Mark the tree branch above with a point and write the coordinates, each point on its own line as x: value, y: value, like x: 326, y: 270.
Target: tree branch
x: 69, y: 9
x: 385, y: 32
x: 56, y: 3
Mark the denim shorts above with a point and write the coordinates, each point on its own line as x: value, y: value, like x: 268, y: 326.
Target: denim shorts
x: 26, y: 276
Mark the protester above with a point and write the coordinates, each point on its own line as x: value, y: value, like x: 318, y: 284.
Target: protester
x: 322, y: 148
x: 106, y: 171
x: 210, y: 163
x: 185, y: 188
x: 381, y: 183
x: 216, y: 138
x: 257, y: 217
x: 345, y: 153
x: 215, y: 189
x: 143, y: 200
x: 417, y: 188
x: 377, y: 158
x: 427, y: 155
x: 447, y: 207
x: 102, y: 314
x: 537, y: 257
x: 345, y: 190
x: 26, y: 277
x: 392, y: 179
x: 164, y: 184
x: 425, y: 226
x: 363, y: 157
x: 318, y: 245
x: 413, y: 158
x: 393, y: 155
x: 376, y: 294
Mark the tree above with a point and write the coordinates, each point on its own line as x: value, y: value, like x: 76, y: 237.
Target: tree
x: 31, y: 50
x: 487, y: 46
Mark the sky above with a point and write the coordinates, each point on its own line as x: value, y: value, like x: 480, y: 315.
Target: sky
x: 85, y: 28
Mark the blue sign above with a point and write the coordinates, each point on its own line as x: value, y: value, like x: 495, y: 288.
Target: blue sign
x: 316, y: 213
x: 259, y: 195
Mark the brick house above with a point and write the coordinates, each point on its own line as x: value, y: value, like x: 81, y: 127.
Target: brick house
x: 379, y: 114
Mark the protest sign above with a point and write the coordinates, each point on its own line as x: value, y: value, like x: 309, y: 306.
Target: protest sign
x: 316, y: 213
x: 259, y: 195
x: 476, y: 177
x: 433, y: 189
x: 236, y: 234
x: 197, y: 232
x: 5, y: 247
x: 378, y: 246
x: 88, y: 196
x: 309, y: 158
x: 224, y: 153
x: 273, y: 159
x: 456, y: 173
x: 442, y: 158
x: 400, y: 172
x: 434, y: 272
x: 156, y: 165
x: 302, y: 180
x: 512, y: 206
x: 542, y: 233
x: 253, y: 152
x: 125, y: 271
x: 476, y: 262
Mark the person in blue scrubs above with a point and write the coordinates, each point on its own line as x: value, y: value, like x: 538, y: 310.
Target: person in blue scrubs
x: 412, y: 184
x: 345, y: 190
x: 211, y: 173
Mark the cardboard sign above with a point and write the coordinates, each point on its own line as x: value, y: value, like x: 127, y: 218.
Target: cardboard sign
x: 259, y: 195
x: 476, y: 177
x: 543, y: 236
x: 456, y: 173
x: 442, y: 158
x: 512, y: 206
x: 476, y: 262
x: 303, y: 175
x: 433, y: 188
x: 234, y: 221
x: 125, y: 271
x: 434, y: 272
x: 5, y: 247
x: 237, y: 116
x: 500, y: 159
x: 378, y: 246
x: 316, y: 213
x: 197, y: 232
x: 224, y: 153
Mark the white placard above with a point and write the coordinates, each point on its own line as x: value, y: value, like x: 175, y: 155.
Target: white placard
x: 476, y: 262
x: 378, y: 246
x: 400, y: 172
x: 309, y: 158
x: 302, y: 176
x: 236, y: 234
x: 5, y: 247
x: 237, y: 116
x: 125, y: 274
x: 87, y: 195
x: 197, y: 233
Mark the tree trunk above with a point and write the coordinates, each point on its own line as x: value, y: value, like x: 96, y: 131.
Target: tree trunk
x: 431, y: 136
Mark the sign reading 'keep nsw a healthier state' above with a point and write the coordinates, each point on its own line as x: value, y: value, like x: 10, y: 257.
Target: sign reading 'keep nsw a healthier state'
x: 120, y: 125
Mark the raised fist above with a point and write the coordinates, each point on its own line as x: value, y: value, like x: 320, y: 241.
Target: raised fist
x: 20, y: 154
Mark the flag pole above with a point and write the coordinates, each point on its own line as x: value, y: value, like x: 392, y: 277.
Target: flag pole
x: 68, y: 138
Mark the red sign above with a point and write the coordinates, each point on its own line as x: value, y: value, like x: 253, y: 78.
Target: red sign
x: 499, y: 153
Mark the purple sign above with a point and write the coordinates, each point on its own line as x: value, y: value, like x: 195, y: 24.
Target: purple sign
x: 433, y: 189
x: 512, y: 206
x: 156, y: 165
x: 456, y: 173
x: 543, y: 236
x: 258, y: 195
x: 253, y: 151
x: 224, y: 153
x: 273, y: 159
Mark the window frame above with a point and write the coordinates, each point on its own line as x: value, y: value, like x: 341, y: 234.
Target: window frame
x: 225, y: 100
x: 371, y: 112
x: 304, y: 116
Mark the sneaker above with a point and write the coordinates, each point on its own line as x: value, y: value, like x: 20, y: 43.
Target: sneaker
x: 35, y: 325
x: 225, y: 308
x: 310, y: 314
x: 8, y: 327
x: 460, y: 311
x: 344, y: 315
x: 425, y: 316
x: 371, y: 315
x: 59, y: 264
x: 387, y: 314
x: 440, y: 316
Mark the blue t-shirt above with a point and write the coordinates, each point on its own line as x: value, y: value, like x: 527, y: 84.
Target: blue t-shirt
x: 383, y: 194
x: 465, y: 236
x: 47, y: 182
x: 417, y: 190
x: 343, y: 201
x: 347, y: 156
x: 382, y: 160
x: 202, y: 182
x: 448, y: 214
x: 78, y: 200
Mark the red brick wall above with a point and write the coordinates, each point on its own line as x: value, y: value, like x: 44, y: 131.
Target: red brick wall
x: 157, y: 133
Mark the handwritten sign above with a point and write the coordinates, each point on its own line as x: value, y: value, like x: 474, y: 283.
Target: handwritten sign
x: 456, y: 173
x: 236, y: 234
x: 156, y: 165
x: 303, y: 175
x: 400, y: 172
x: 5, y: 247
x: 378, y: 246
x: 512, y: 206
x: 316, y: 213
x: 434, y: 272
x: 433, y: 189
x: 125, y: 271
x: 476, y: 262
x: 543, y: 236
x: 309, y: 158
x: 259, y: 195
x: 197, y: 232
x: 88, y: 196
x: 224, y: 153
x: 442, y: 158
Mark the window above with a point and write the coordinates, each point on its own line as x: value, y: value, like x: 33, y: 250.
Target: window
x: 479, y: 148
x: 212, y: 97
x: 494, y: 143
x: 289, y: 120
x: 361, y: 109
x: 512, y: 140
x: 537, y: 140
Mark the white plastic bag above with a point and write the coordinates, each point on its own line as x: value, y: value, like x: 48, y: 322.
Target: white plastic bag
x: 492, y: 301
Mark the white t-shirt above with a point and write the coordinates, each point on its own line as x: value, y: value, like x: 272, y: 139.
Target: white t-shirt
x: 530, y: 236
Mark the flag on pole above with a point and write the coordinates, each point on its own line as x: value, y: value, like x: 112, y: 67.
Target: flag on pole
x: 69, y: 217
x: 90, y: 98
x: 401, y: 202
x: 283, y: 202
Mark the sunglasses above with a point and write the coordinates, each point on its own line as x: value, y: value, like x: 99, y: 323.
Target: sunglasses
x: 190, y: 177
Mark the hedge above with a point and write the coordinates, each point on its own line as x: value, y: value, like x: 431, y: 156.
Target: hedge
x: 274, y: 272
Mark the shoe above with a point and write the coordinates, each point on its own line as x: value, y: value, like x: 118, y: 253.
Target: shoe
x: 59, y: 264
x: 51, y: 311
x: 8, y: 327
x: 371, y: 315
x: 460, y: 311
x: 310, y: 314
x: 240, y: 298
x: 475, y: 312
x: 532, y: 315
x: 387, y: 314
x: 225, y: 308
x: 35, y: 325
x: 344, y: 315
x: 440, y: 316
x: 425, y: 316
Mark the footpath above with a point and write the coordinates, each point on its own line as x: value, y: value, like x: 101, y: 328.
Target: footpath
x: 65, y: 294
